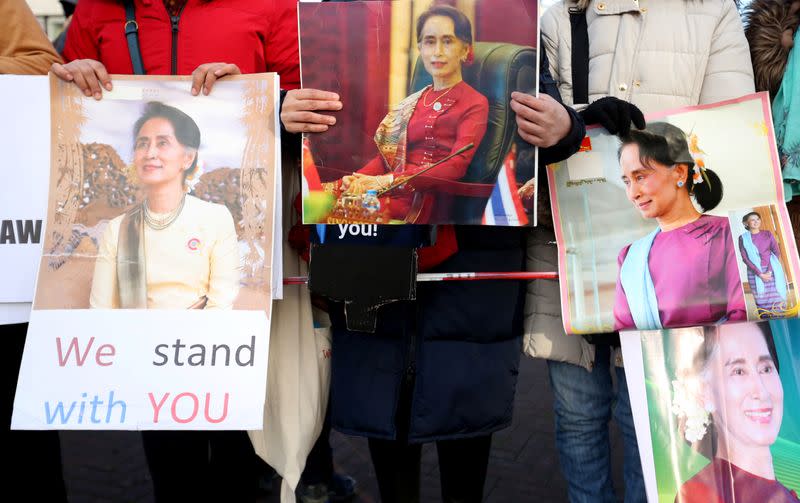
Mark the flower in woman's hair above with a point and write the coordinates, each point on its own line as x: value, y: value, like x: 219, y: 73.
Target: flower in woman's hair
x: 699, y: 157
x: 470, y: 56
x: 193, y: 178
x: 697, y: 177
x: 694, y: 145
x: 685, y: 406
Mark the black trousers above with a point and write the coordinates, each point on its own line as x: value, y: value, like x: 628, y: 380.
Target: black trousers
x: 319, y: 463
x: 34, y: 467
x: 462, y: 462
x: 462, y: 469
x: 198, y: 466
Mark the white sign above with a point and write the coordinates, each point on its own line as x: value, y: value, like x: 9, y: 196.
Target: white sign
x: 634, y: 375
x: 18, y: 312
x: 153, y: 294
x: 143, y: 369
x: 25, y: 143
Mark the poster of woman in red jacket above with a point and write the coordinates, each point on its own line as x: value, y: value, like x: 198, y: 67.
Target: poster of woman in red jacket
x: 428, y: 135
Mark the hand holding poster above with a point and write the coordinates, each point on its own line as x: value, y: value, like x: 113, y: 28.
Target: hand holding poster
x: 426, y: 133
x: 720, y: 408
x: 165, y: 203
x: 677, y: 225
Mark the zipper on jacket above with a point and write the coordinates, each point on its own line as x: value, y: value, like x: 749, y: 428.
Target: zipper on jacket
x: 411, y: 367
x: 175, y: 20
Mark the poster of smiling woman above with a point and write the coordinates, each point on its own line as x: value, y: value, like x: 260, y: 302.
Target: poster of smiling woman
x: 720, y: 406
x: 680, y: 224
x: 425, y: 133
x: 157, y: 257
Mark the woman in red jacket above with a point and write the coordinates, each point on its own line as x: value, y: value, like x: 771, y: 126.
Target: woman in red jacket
x: 207, y: 39
x: 182, y: 37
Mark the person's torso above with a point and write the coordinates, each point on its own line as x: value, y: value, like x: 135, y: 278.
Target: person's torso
x: 432, y: 136
x: 763, y: 243
x: 179, y: 258
x: 653, y: 54
x: 432, y: 133
x: 230, y: 31
x: 723, y: 482
x: 689, y: 270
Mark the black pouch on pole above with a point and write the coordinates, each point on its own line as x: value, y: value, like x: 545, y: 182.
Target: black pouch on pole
x: 363, y: 277
x: 132, y: 36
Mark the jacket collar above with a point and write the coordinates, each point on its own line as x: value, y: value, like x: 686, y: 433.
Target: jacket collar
x: 613, y: 7
x: 604, y: 7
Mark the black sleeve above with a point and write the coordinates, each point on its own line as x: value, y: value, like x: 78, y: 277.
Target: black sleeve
x: 561, y: 150
x: 570, y: 143
x: 290, y: 142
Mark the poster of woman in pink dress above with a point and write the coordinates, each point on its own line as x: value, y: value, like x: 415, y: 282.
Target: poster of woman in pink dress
x: 654, y: 290
x: 648, y: 226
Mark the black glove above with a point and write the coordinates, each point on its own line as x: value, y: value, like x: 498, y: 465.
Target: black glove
x: 614, y: 114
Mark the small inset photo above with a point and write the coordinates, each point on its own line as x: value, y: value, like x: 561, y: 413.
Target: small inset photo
x: 764, y: 269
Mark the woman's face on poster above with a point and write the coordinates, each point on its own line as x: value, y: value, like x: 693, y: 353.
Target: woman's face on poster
x: 652, y: 189
x: 440, y: 49
x: 754, y: 222
x: 745, y: 389
x: 158, y: 155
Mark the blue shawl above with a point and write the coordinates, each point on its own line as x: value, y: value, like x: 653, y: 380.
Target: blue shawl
x: 777, y: 270
x: 638, y: 284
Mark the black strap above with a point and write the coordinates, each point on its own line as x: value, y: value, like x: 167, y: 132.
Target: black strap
x: 580, y: 55
x: 132, y: 35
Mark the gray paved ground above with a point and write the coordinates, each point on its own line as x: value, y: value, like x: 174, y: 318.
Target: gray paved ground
x: 110, y: 466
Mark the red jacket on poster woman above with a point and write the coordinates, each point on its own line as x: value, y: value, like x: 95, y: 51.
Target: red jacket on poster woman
x: 255, y: 35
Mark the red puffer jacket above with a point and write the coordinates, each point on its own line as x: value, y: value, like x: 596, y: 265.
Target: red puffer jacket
x: 256, y: 35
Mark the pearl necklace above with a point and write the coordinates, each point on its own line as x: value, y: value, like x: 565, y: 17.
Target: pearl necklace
x: 162, y: 222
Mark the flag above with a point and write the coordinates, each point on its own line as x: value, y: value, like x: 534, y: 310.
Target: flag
x: 316, y: 202
x: 504, y: 206
x: 311, y: 179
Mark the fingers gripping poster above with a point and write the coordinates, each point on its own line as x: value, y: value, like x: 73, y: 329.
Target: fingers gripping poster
x: 680, y: 224
x: 155, y: 285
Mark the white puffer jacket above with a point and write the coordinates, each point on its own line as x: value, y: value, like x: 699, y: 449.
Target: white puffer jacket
x: 657, y: 54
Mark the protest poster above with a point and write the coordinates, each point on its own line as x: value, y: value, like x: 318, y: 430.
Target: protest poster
x: 25, y: 142
x: 158, y: 269
x: 683, y: 224
x: 717, y: 411
x: 426, y: 122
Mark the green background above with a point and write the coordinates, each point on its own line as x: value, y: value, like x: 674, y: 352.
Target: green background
x: 675, y: 461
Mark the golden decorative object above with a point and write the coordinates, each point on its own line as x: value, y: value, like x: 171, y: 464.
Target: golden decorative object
x: 349, y: 210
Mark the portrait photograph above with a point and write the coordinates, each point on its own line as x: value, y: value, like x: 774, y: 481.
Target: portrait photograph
x: 764, y: 265
x: 724, y: 412
x: 160, y: 199
x: 426, y: 134
x: 645, y: 228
